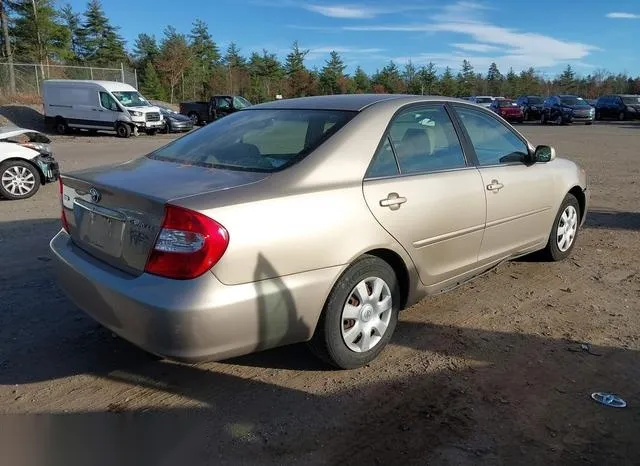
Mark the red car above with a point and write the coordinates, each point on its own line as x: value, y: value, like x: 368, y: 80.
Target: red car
x: 508, y: 109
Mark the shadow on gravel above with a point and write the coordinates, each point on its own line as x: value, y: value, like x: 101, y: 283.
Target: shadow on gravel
x: 503, y: 398
x: 438, y: 395
x: 613, y: 220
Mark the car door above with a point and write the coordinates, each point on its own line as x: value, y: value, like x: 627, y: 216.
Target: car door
x: 223, y: 107
x: 423, y: 192
x: 108, y: 110
x: 519, y: 195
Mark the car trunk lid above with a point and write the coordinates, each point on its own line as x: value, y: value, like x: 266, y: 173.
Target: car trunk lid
x: 115, y: 213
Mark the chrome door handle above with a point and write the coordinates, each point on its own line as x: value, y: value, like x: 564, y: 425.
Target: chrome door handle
x: 393, y: 201
x: 495, y: 186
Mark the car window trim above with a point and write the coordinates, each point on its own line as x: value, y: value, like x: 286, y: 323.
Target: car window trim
x: 469, y: 164
x: 468, y: 138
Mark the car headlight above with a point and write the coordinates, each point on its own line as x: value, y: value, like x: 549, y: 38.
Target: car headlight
x: 631, y: 109
x: 134, y: 113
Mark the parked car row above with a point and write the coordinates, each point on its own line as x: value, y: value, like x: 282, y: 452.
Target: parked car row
x: 562, y: 109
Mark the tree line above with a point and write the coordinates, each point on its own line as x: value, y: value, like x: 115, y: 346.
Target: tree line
x: 179, y: 66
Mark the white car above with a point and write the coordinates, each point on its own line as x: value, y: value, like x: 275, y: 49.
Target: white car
x: 26, y: 162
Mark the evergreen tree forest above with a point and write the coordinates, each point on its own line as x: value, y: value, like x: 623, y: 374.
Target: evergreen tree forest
x: 188, y: 65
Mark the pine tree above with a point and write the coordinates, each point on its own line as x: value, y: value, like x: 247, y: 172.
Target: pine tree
x: 447, y: 83
x: 145, y: 49
x: 428, y: 79
x: 71, y: 20
x: 300, y: 81
x: 389, y: 79
x: 150, y: 85
x: 331, y: 75
x: 99, y: 41
x: 361, y: 81
x: 37, y: 32
x: 206, y: 58
x: 466, y: 80
x: 512, y: 90
x: 567, y: 81
x: 412, y: 79
x: 494, y: 80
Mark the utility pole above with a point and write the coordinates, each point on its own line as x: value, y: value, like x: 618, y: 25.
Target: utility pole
x: 4, y: 19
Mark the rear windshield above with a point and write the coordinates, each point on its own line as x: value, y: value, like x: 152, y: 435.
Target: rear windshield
x: 535, y: 100
x: 571, y: 100
x: 631, y: 100
x: 255, y: 140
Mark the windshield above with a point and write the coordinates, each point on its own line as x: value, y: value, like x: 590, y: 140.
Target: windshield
x: 483, y: 100
x: 571, y: 100
x: 255, y: 140
x: 631, y: 100
x: 240, y: 102
x: 506, y: 103
x: 535, y: 100
x: 130, y: 99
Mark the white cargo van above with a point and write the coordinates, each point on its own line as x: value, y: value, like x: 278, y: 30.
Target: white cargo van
x: 98, y: 105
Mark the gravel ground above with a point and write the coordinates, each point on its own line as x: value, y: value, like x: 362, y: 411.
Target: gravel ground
x: 490, y: 373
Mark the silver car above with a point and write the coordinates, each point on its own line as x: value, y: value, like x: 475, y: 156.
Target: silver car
x: 315, y: 219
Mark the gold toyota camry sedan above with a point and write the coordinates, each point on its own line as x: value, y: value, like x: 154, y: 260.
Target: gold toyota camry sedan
x: 308, y: 220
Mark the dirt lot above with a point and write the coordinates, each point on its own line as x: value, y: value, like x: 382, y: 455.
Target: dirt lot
x: 491, y: 373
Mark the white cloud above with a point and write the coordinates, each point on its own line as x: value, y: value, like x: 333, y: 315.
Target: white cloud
x: 508, y: 46
x: 342, y: 11
x: 476, y: 47
x: 619, y: 15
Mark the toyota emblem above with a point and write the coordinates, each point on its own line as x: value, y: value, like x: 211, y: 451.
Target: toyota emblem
x: 95, y: 195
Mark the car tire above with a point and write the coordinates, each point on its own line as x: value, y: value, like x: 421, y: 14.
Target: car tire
x: 11, y: 171
x: 568, y: 214
x: 543, y: 119
x: 598, y: 116
x: 123, y: 130
x: 340, y: 335
x: 195, y: 118
x: 152, y: 132
x: 588, y: 123
x: 559, y: 121
x: 621, y: 116
x: 61, y: 126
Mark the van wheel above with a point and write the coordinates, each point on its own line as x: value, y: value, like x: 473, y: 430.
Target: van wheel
x: 18, y: 179
x: 359, y: 316
x: 61, y: 126
x: 123, y: 130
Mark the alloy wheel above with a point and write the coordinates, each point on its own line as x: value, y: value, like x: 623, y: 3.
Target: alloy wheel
x: 18, y: 180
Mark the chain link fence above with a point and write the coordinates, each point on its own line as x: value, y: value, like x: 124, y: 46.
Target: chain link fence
x: 29, y: 76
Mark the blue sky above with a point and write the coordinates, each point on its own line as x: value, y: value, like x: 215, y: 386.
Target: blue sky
x: 545, y: 34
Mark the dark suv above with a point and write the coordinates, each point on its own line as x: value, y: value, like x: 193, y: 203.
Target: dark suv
x: 562, y: 109
x: 620, y: 107
x: 531, y: 106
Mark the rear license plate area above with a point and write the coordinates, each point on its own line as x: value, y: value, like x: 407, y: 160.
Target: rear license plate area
x: 100, y: 229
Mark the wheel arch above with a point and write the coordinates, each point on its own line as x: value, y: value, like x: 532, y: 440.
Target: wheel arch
x: 399, y: 267
x: 579, y: 194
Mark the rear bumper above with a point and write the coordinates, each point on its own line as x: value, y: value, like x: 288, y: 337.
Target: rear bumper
x: 193, y: 320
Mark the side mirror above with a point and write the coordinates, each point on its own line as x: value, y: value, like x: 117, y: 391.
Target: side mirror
x: 544, y: 154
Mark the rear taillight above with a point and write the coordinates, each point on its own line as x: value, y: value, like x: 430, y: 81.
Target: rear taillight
x: 63, y: 216
x: 188, y: 245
